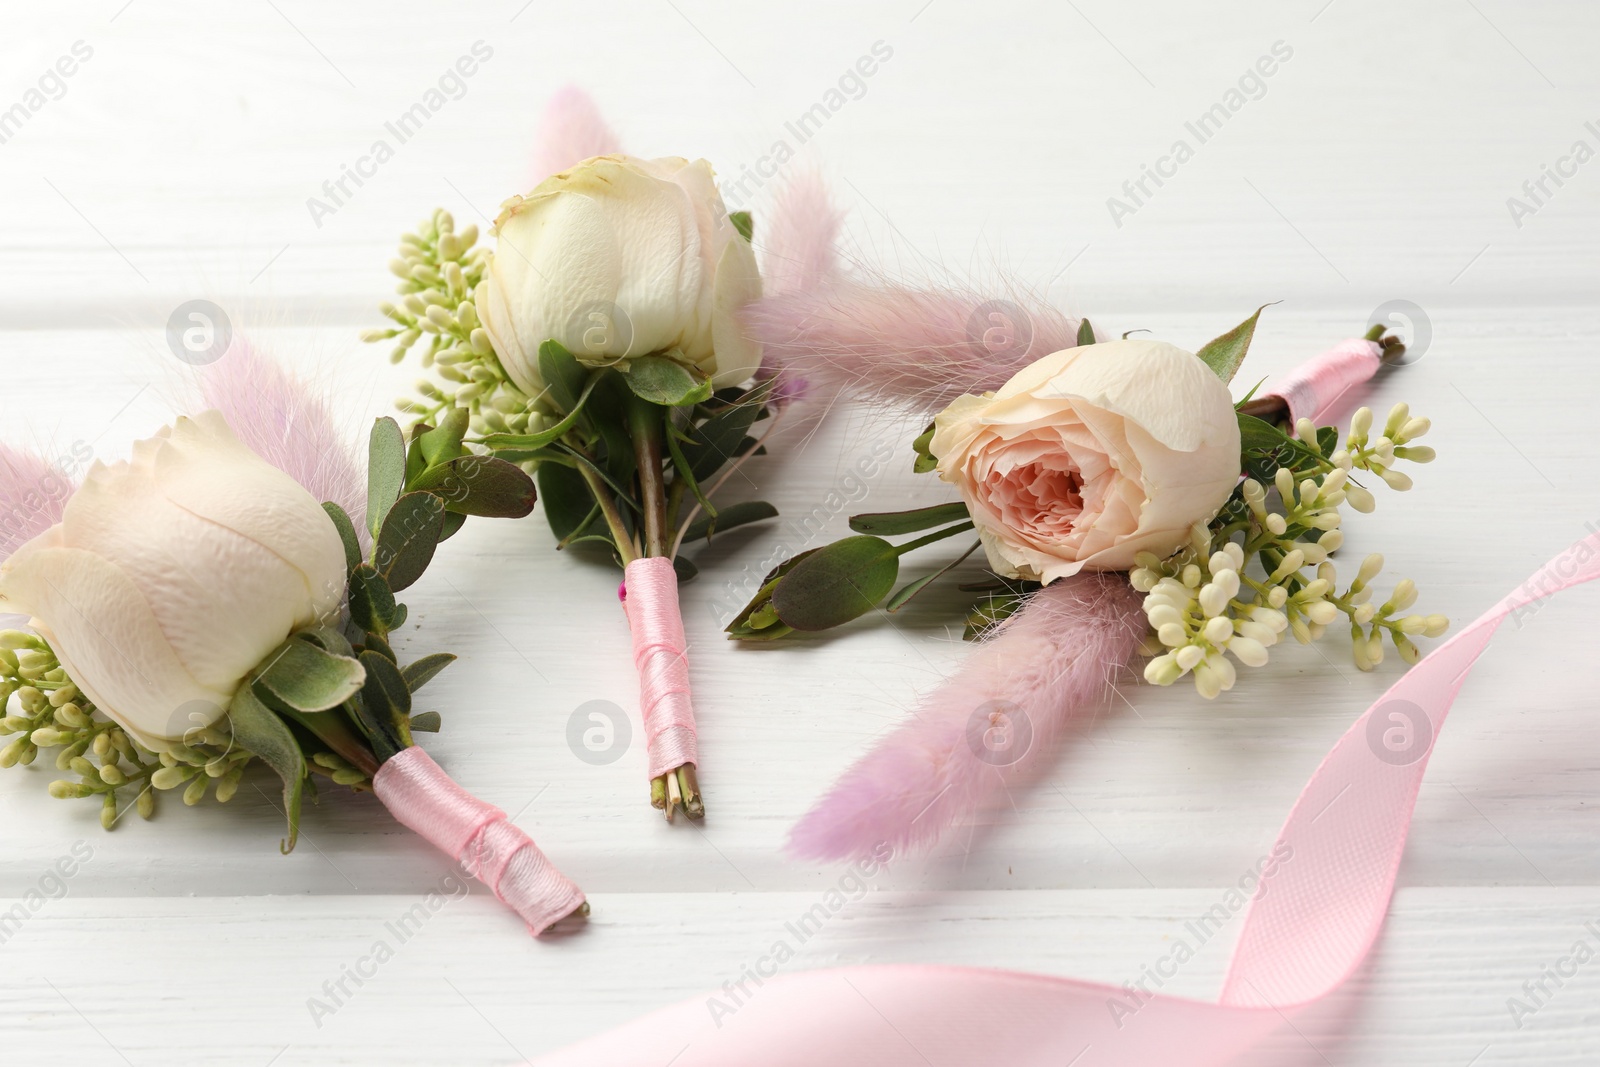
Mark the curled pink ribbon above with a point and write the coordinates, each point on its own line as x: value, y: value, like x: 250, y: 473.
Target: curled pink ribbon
x: 660, y: 655
x: 422, y: 797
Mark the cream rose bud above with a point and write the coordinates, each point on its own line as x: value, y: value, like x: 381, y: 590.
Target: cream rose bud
x: 621, y: 257
x: 1091, y: 455
x: 173, y: 574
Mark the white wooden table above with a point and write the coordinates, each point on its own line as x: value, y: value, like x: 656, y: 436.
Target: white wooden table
x: 1375, y: 165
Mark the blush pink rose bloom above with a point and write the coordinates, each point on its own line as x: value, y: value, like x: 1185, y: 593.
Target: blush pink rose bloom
x: 1091, y: 455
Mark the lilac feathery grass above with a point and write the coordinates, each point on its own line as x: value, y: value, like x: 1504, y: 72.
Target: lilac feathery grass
x: 283, y: 420
x: 33, y: 494
x: 992, y: 724
x: 571, y: 131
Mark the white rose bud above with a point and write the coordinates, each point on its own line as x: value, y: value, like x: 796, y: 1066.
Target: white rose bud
x: 1091, y: 456
x: 621, y: 257
x: 173, y: 574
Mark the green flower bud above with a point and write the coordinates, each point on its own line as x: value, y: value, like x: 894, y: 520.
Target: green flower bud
x: 72, y: 716
x: 8, y: 662
x: 62, y: 789
x: 47, y: 737
x: 196, y: 791
x: 146, y: 803
x: 170, y: 777
x: 111, y: 774
x: 108, y: 811
x: 11, y: 640
x: 227, y: 788
x: 14, y: 724
x: 102, y: 745
x: 349, y: 776
x: 79, y: 765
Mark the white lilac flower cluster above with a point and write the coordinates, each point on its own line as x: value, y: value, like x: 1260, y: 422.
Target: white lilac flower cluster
x: 440, y: 270
x: 1262, y: 567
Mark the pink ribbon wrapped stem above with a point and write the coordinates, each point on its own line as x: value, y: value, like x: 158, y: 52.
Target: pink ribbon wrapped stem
x: 1311, y: 389
x: 422, y: 797
x: 661, y: 656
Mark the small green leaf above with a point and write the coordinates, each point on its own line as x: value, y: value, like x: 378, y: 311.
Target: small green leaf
x: 666, y: 382
x: 424, y: 670
x: 452, y: 522
x: 925, y: 459
x: 716, y: 440
x: 837, y: 583
x: 443, y: 443
x: 906, y: 592
x: 407, y: 539
x: 259, y: 730
x: 481, y: 485
x: 684, y: 569
x: 386, y: 470
x: 903, y: 522
x: 1224, y: 354
x: 371, y: 600
x: 562, y: 373
x: 327, y: 638
x: 347, y: 534
x: 307, y: 677
x: 427, y: 722
x: 529, y: 442
x: 568, y: 503
x: 1085, y: 333
x: 743, y: 223
x: 386, y: 702
x: 740, y: 514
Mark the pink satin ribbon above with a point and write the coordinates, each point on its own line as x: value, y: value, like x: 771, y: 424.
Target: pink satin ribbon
x: 660, y: 655
x: 1316, y: 385
x: 1302, y: 937
x: 422, y: 797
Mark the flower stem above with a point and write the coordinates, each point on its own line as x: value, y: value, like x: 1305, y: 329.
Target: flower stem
x: 644, y: 419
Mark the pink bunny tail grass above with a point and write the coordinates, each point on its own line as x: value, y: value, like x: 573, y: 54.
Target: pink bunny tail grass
x: 797, y: 238
x: 990, y: 726
x: 903, y: 346
x: 33, y: 493
x: 282, y: 420
x: 570, y: 132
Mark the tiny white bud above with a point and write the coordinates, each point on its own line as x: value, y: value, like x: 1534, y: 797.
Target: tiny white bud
x: 1251, y: 653
x: 1360, y: 422
x: 1218, y: 631
x: 1189, y: 655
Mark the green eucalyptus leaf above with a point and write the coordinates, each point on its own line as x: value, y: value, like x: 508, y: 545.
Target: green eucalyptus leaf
x: 443, y: 443
x: 1224, y: 354
x: 567, y: 501
x: 1085, y: 333
x: 386, y: 699
x: 386, y: 470
x: 419, y: 673
x: 684, y: 569
x: 666, y: 382
x: 903, y: 522
x: 380, y: 645
x: 453, y: 521
x: 408, y: 538
x: 740, y: 514
x: 307, y: 677
x: 259, y: 730
x: 837, y: 583
x: 743, y: 223
x: 716, y: 440
x: 347, y: 534
x: 563, y: 375
x: 327, y: 638
x: 426, y: 722
x: 372, y: 604
x: 481, y: 485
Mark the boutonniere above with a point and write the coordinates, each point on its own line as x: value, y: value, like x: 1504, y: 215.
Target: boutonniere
x: 195, y: 611
x: 1125, y: 505
x: 598, y: 346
